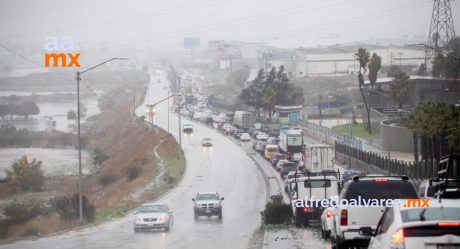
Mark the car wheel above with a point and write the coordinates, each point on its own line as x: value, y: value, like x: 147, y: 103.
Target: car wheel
x: 297, y: 221
x: 195, y: 216
x: 340, y: 245
x: 167, y: 228
x: 220, y: 215
x: 306, y: 223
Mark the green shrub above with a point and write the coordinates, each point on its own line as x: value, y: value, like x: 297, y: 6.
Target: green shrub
x: 27, y: 175
x: 99, y: 157
x: 171, y: 179
x: 133, y: 173
x: 19, y: 212
x: 68, y: 208
x: 106, y: 179
x: 31, y: 232
x: 277, y: 212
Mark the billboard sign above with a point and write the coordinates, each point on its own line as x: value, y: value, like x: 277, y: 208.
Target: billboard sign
x: 191, y: 42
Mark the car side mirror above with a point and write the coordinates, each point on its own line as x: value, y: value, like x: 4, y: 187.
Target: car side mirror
x: 222, y: 198
x: 366, y: 231
x: 193, y: 199
x: 136, y: 212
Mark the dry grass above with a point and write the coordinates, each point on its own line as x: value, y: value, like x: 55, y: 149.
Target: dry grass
x: 128, y: 143
x: 44, y: 225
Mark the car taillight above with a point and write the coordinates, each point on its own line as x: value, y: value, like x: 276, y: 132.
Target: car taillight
x: 328, y: 213
x: 448, y: 224
x: 344, y: 217
x: 305, y: 210
x: 397, y: 237
x: 381, y: 180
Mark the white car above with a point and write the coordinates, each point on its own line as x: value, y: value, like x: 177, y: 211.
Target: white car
x: 437, y: 226
x: 153, y: 216
x: 245, y: 137
x: 261, y: 136
x: 326, y: 222
x: 206, y: 142
x: 280, y: 164
x: 349, y: 219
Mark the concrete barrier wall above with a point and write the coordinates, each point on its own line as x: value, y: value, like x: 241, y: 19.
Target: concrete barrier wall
x: 398, y: 138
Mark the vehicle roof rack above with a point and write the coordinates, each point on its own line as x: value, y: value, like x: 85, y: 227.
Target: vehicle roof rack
x: 447, y: 181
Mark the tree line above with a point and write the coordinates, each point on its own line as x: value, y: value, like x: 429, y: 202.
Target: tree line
x: 437, y: 124
x: 24, y: 109
x: 269, y: 89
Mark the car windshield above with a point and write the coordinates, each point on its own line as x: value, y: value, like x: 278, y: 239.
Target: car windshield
x: 370, y: 189
x: 210, y: 196
x: 153, y: 209
x: 432, y: 213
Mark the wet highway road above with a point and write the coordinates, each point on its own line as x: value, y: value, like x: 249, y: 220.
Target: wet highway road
x: 225, y: 168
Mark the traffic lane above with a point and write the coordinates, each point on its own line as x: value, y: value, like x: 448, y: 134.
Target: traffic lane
x: 225, y: 167
x: 309, y: 237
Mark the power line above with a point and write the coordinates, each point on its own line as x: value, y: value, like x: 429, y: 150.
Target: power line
x: 235, y: 22
x: 127, y: 18
x: 377, y: 14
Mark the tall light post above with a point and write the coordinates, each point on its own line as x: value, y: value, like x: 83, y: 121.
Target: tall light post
x: 80, y: 183
x: 168, y: 112
x: 178, y: 113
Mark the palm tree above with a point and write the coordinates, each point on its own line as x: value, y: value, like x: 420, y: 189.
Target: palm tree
x: 374, y: 67
x: 400, y: 88
x: 363, y: 58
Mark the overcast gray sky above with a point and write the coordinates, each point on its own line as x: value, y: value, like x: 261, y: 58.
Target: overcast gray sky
x: 288, y: 23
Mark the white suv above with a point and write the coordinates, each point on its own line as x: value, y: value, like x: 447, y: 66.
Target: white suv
x: 348, y: 220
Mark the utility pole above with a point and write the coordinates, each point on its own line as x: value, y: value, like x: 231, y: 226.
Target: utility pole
x: 80, y: 179
x: 168, y: 112
x: 134, y: 99
x: 335, y: 72
x: 80, y: 183
x: 178, y: 113
x: 400, y: 54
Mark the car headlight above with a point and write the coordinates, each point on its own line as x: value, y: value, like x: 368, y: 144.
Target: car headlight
x: 163, y: 218
x: 139, y: 220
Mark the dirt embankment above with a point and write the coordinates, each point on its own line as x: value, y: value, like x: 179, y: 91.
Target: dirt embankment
x: 128, y: 142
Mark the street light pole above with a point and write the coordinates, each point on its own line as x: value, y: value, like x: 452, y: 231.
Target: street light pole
x: 80, y: 180
x: 168, y: 112
x: 178, y: 113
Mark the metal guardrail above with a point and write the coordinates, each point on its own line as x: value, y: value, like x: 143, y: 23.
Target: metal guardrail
x: 327, y: 134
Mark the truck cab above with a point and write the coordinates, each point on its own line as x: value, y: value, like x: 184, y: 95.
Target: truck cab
x: 270, y: 149
x: 187, y: 128
x: 312, y: 186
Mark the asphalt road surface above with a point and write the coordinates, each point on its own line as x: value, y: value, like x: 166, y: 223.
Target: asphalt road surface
x: 225, y: 168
